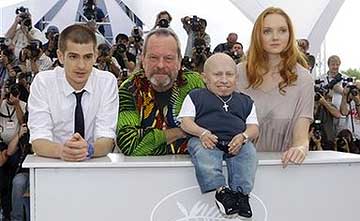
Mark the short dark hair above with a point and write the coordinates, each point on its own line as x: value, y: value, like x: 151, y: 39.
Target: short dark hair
x: 121, y: 36
x: 238, y: 43
x: 76, y: 33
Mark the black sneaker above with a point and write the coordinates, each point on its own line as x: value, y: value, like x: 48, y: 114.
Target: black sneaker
x: 226, y: 200
x: 244, y: 209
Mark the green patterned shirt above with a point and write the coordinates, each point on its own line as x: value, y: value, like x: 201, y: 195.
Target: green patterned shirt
x: 141, y: 122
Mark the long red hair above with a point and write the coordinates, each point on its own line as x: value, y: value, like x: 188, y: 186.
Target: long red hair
x: 257, y: 61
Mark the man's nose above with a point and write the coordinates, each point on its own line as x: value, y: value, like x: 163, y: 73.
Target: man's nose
x: 160, y: 63
x: 81, y: 63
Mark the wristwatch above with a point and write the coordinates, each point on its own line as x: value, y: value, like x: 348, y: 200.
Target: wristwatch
x: 246, y: 137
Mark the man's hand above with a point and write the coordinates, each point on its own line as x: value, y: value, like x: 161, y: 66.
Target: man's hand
x: 75, y: 149
x: 208, y: 139
x: 23, y: 130
x: 14, y: 100
x: 236, y: 144
x: 3, y: 157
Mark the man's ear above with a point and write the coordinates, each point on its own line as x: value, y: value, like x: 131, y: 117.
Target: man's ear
x: 203, y: 76
x: 60, y: 56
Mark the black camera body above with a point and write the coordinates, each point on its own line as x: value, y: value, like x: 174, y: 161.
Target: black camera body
x: 324, y: 89
x: 24, y: 15
x: 195, y: 23
x: 317, y: 129
x: 35, y: 48
x: 163, y: 23
x: 199, y: 45
x: 125, y: 73
x: 349, y: 83
x: 120, y: 48
x: 89, y: 9
x: 137, y: 34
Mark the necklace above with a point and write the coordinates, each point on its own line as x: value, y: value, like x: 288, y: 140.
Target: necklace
x: 225, y: 106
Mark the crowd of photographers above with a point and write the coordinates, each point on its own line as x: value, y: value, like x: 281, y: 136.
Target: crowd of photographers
x: 24, y: 52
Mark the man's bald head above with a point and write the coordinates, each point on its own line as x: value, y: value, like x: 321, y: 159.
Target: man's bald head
x: 217, y: 61
x: 220, y: 74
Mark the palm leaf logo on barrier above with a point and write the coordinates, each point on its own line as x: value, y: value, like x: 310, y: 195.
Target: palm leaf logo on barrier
x: 200, y: 210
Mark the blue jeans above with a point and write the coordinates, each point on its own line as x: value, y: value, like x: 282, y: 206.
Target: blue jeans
x: 20, y: 186
x: 208, y: 165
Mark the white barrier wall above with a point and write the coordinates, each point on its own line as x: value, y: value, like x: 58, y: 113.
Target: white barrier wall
x: 324, y: 188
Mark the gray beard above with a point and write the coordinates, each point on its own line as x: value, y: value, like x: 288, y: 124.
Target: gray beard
x: 158, y: 84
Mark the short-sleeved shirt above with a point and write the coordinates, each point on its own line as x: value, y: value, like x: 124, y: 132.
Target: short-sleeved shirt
x: 208, y: 112
x: 277, y: 113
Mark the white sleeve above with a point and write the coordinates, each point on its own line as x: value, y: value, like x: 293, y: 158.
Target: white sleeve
x: 107, y: 115
x: 40, y: 122
x: 252, y: 118
x: 187, y: 108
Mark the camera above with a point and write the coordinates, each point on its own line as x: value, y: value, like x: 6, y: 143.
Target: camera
x: 125, y: 73
x: 24, y: 15
x: 137, y: 34
x: 186, y: 63
x: 120, y: 48
x: 319, y: 90
x: 317, y: 129
x: 199, y: 45
x: 164, y: 23
x: 4, y: 42
x: 196, y: 23
x: 324, y: 89
x: 34, y: 48
x: 90, y: 10
x: 349, y: 83
x: 104, y: 50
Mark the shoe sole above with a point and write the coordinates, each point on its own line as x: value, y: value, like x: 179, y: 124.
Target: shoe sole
x: 245, y: 218
x: 222, y: 209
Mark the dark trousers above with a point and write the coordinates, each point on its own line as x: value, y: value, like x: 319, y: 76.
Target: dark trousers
x: 7, y: 173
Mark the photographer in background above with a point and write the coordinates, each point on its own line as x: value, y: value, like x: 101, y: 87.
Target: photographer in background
x: 120, y: 51
x: 136, y: 42
x: 105, y: 61
x: 318, y: 138
x: 50, y: 47
x: 304, y: 48
x: 195, y: 28
x: 163, y: 20
x: 7, y: 61
x: 226, y: 47
x: 93, y: 13
x: 34, y: 59
x: 350, y: 107
x: 11, y: 118
x: 21, y: 32
x: 237, y: 52
x: 200, y: 54
x: 325, y: 112
x: 335, y: 90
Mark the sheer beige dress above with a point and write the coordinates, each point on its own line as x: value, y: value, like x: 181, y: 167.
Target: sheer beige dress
x: 277, y: 113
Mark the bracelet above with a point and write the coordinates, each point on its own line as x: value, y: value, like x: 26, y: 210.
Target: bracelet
x: 91, y: 151
x: 203, y: 133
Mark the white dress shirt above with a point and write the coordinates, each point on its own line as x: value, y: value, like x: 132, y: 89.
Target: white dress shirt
x: 52, y: 104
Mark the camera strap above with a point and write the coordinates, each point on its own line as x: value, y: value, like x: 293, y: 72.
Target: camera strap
x: 8, y: 111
